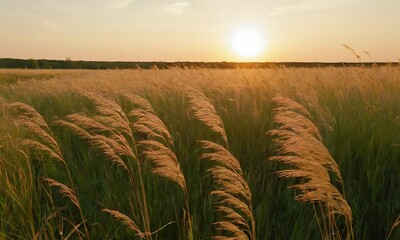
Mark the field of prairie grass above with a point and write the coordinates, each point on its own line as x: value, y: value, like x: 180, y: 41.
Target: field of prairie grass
x: 280, y: 153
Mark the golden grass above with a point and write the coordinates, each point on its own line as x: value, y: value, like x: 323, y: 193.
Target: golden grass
x: 109, y: 132
x: 157, y: 149
x: 148, y: 123
x: 64, y: 190
x: 126, y: 221
x: 233, y: 194
x: 300, y: 146
x: 395, y: 224
x: 99, y: 121
x: 205, y: 111
x: 158, y: 141
x: 27, y: 117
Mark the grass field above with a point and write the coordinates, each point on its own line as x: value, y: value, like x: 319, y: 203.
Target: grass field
x: 280, y: 153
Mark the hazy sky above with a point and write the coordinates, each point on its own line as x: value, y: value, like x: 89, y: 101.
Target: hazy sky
x: 199, y: 30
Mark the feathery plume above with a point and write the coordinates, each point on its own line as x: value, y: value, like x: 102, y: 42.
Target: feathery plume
x: 64, y: 190
x: 206, y: 112
x: 156, y: 148
x: 355, y: 54
x: 129, y: 223
x: 110, y: 134
x: 32, y: 121
x: 43, y: 141
x: 232, y: 192
x: 27, y: 112
x: 299, y: 136
x: 87, y: 123
x: 147, y: 121
x: 300, y: 146
x: 109, y: 113
x: 165, y: 162
x: 138, y: 102
x: 43, y: 148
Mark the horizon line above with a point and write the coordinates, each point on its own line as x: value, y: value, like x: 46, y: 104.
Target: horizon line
x: 196, y: 61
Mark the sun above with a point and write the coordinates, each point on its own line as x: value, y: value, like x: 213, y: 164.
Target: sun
x: 247, y: 43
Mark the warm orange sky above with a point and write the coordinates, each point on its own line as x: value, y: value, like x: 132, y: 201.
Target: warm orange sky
x: 200, y: 30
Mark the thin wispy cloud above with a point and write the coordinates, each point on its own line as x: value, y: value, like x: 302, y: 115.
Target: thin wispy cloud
x: 308, y: 5
x: 118, y: 3
x: 177, y: 8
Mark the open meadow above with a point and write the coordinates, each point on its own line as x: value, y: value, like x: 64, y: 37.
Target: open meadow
x: 277, y: 153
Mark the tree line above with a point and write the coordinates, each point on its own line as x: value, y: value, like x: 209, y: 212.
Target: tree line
x: 70, y: 64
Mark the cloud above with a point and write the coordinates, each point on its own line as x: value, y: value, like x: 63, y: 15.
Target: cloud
x: 177, y: 8
x: 308, y: 5
x: 118, y: 3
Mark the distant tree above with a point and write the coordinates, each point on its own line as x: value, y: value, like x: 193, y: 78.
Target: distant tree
x: 68, y: 62
x: 32, y: 63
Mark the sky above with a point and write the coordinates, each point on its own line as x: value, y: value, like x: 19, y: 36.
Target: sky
x: 200, y: 30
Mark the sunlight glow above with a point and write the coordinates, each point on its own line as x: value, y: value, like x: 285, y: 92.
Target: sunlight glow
x: 247, y: 43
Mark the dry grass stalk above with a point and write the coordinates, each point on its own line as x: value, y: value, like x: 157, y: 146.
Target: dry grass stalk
x: 75, y: 129
x: 165, y: 161
x: 109, y: 149
x: 298, y: 136
x: 150, y: 134
x: 39, y: 132
x: 395, y: 224
x: 42, y: 148
x: 129, y: 223
x: 232, y: 191
x: 109, y: 132
x: 64, y: 190
x: 159, y: 153
x: 206, y: 112
x: 117, y: 143
x: 300, y: 146
x: 234, y: 229
x: 91, y: 131
x: 148, y: 123
x: 87, y: 123
x: 355, y: 54
x: 138, y: 102
x: 324, y: 118
x: 220, y: 155
x: 43, y: 141
x: 157, y: 148
x: 102, y: 137
x: 32, y: 121
x: 109, y: 113
x: 27, y: 112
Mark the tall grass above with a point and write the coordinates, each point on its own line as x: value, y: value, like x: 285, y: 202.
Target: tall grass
x: 300, y: 146
x: 233, y: 193
x: 180, y: 154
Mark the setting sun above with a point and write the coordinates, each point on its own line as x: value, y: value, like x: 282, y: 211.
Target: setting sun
x: 247, y: 43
